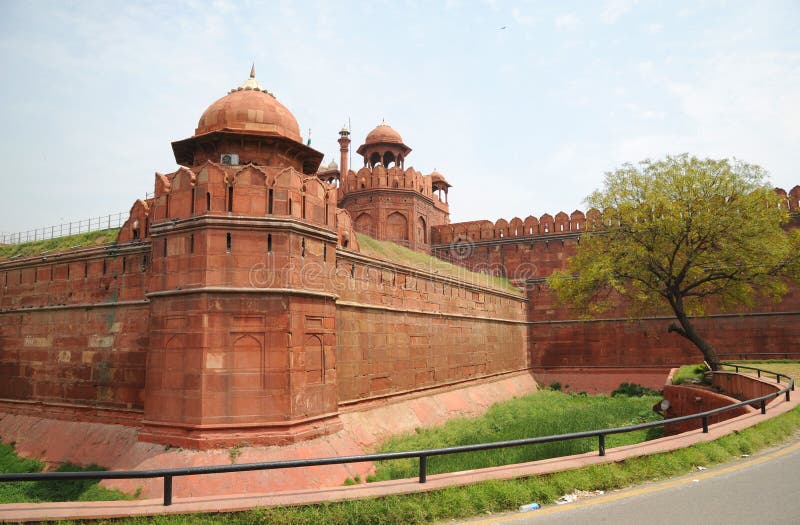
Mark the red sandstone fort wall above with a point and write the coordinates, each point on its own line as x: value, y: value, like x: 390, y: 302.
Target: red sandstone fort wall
x: 73, y: 329
x: 400, y: 329
x: 528, y: 251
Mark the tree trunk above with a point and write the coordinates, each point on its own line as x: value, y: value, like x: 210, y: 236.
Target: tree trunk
x: 686, y: 330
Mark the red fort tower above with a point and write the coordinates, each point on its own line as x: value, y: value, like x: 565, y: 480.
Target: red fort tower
x: 388, y: 201
x: 241, y: 344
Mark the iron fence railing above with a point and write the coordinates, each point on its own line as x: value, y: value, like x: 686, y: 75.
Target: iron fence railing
x: 421, y: 455
x: 104, y: 222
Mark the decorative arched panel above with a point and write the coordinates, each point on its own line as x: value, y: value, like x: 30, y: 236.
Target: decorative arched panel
x: 315, y: 360
x: 422, y: 231
x: 365, y: 223
x: 247, y: 364
x: 173, y: 365
x: 397, y: 227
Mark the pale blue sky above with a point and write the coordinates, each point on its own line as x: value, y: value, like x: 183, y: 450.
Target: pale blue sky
x: 522, y: 120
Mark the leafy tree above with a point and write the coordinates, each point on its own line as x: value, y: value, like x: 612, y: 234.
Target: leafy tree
x: 682, y: 234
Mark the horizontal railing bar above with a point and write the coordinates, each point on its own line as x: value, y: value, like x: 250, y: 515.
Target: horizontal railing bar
x: 220, y: 469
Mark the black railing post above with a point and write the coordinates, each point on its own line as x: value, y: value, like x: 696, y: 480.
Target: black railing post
x: 167, y: 490
x: 787, y: 395
x: 705, y: 424
x: 759, y: 374
x: 602, y: 444
x: 763, y: 406
x: 423, y: 469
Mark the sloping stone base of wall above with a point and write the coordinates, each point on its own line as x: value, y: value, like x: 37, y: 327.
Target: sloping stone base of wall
x: 116, y: 447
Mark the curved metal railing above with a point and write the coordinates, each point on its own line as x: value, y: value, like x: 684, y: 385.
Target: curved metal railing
x: 422, y: 455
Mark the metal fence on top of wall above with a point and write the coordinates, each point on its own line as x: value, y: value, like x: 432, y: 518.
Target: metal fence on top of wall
x: 104, y: 222
x: 92, y: 224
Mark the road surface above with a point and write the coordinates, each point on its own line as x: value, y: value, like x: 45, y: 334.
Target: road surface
x: 762, y: 490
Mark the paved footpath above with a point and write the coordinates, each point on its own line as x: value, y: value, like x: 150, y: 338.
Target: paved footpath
x: 21, y: 512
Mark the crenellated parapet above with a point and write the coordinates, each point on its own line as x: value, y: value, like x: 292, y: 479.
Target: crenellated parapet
x: 255, y: 191
x: 137, y: 227
x: 394, y: 177
x: 561, y: 223
x: 395, y: 204
x: 790, y: 200
x: 531, y: 226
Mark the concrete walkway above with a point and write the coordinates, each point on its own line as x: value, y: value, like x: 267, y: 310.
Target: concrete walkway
x: 22, y: 512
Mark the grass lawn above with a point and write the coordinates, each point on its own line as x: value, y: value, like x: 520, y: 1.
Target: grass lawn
x: 544, y: 413
x: 783, y: 366
x: 790, y: 367
x: 41, y: 491
x: 59, y: 244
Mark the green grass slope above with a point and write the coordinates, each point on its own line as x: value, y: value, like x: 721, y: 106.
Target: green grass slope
x: 394, y: 253
x: 59, y: 244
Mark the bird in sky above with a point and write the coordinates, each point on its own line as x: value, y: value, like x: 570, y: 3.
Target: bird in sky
x: 499, y: 28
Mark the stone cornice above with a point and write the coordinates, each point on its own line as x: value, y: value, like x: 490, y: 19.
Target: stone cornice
x: 242, y: 222
x: 242, y: 289
x: 85, y: 306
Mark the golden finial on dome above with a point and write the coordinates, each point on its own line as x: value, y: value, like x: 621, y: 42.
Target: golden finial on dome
x: 251, y: 84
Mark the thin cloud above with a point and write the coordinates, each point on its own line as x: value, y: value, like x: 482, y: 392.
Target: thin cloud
x: 523, y: 19
x: 613, y: 10
x: 567, y: 22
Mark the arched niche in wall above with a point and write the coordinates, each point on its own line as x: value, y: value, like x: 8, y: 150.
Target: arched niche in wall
x: 172, y: 364
x: 365, y: 223
x: 315, y: 360
x: 248, y: 364
x: 397, y: 227
x: 422, y: 230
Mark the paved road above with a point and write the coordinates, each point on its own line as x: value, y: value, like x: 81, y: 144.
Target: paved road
x: 761, y: 490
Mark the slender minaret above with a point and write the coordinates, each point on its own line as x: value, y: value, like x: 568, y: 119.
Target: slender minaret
x: 344, y: 149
